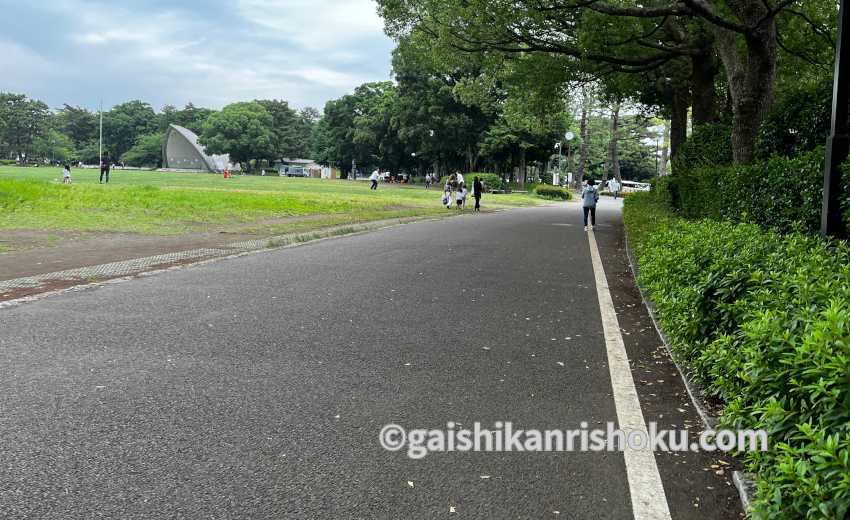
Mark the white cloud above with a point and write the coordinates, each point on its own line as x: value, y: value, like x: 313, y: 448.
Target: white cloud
x: 303, y: 51
x: 315, y: 24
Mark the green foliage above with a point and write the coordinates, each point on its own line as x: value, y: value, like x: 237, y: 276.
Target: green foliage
x: 781, y: 193
x: 798, y: 122
x: 552, y: 192
x: 78, y: 123
x: 22, y: 121
x: 54, y: 146
x: 125, y: 123
x: 146, y: 152
x: 190, y: 117
x: 763, y: 321
x: 243, y: 130
x: 292, y: 129
x: 708, y: 145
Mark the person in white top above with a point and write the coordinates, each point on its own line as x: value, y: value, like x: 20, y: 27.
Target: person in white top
x: 461, y: 196
x: 374, y: 178
x: 459, y: 177
x: 66, y: 174
x: 614, y: 188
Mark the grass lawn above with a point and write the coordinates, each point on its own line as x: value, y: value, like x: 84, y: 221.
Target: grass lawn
x: 175, y: 203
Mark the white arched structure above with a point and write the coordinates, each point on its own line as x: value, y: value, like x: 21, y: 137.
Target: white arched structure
x: 181, y: 151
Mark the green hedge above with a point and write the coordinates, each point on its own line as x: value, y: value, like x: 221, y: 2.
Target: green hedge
x: 763, y: 321
x: 491, y: 180
x: 780, y: 193
x: 552, y: 192
x: 708, y: 145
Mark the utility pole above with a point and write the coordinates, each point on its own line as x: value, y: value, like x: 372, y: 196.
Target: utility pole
x: 838, y: 143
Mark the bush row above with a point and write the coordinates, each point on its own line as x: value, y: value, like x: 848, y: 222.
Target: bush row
x: 763, y: 321
x: 552, y: 192
x: 781, y: 193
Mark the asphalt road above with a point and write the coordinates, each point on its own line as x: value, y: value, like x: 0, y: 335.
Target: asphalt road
x: 256, y: 387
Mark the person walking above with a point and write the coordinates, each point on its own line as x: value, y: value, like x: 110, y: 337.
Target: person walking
x: 589, y: 198
x: 447, y: 192
x: 427, y: 180
x: 66, y: 174
x: 614, y: 188
x: 374, y: 178
x: 461, y: 196
x: 477, y: 190
x: 104, y: 169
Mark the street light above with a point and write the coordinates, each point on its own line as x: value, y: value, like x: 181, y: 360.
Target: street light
x: 838, y: 143
x: 569, y: 136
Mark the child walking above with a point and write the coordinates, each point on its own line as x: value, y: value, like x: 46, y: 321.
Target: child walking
x: 461, y: 196
x: 66, y: 174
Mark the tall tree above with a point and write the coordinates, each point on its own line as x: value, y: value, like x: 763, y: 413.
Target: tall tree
x: 612, y: 165
x: 243, y: 130
x: 125, y: 123
x: 22, y: 120
x: 78, y: 123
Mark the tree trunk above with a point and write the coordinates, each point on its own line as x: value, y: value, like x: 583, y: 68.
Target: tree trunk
x: 665, y: 151
x: 704, y: 70
x: 678, y: 121
x: 612, y: 167
x: 584, y: 130
x: 521, y: 176
x: 751, y: 74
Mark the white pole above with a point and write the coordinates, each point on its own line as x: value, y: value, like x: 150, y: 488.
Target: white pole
x: 100, y: 145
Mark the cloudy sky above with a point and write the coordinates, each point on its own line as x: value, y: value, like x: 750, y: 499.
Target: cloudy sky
x: 209, y: 52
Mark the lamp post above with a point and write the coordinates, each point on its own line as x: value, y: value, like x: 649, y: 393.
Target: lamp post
x: 569, y: 136
x: 838, y: 143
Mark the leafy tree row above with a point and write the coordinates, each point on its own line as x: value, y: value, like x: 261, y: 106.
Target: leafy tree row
x: 715, y: 60
x: 133, y: 131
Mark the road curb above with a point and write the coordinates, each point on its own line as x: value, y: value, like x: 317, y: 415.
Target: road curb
x: 76, y: 279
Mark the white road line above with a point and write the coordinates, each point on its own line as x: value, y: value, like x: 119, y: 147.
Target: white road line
x: 648, y: 499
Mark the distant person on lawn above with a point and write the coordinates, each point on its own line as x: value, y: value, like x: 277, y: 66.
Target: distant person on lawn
x: 461, y: 196
x: 66, y: 174
x: 477, y: 190
x: 589, y: 198
x: 104, y: 169
x: 374, y: 178
x: 614, y: 188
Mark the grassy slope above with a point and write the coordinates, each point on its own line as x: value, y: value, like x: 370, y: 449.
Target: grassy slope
x: 173, y: 203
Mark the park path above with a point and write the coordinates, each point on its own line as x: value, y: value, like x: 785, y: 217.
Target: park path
x: 256, y: 387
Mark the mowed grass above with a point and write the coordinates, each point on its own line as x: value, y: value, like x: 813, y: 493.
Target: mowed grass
x: 174, y: 203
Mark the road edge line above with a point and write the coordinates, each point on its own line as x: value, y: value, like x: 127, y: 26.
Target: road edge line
x: 649, y: 501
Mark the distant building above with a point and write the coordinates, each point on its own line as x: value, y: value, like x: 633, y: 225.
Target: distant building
x: 181, y: 151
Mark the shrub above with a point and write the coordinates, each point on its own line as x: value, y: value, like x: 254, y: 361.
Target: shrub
x: 8, y: 162
x: 763, y: 321
x: 708, y: 145
x: 780, y: 193
x: 491, y: 180
x: 552, y: 192
x: 798, y: 122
